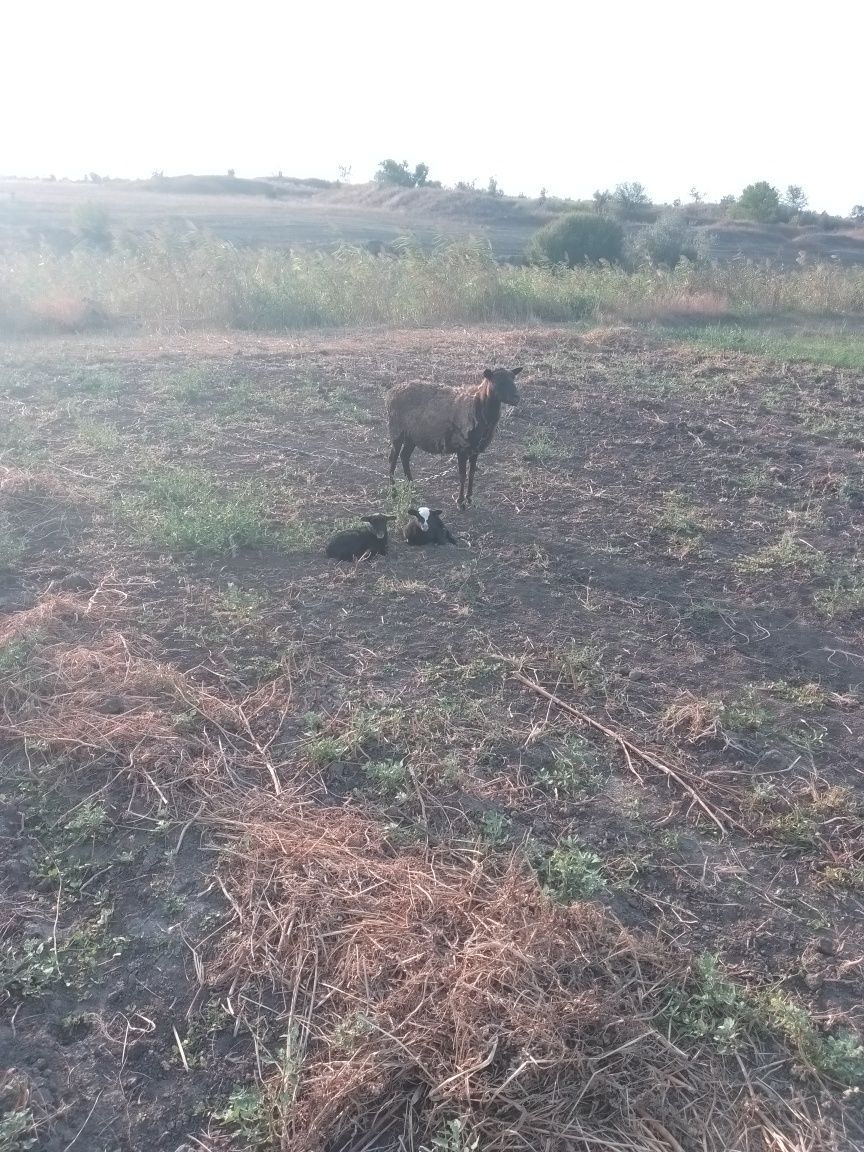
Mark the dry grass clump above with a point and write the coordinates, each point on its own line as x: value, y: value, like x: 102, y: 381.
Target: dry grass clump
x: 427, y: 987
x: 692, y: 718
x: 72, y: 683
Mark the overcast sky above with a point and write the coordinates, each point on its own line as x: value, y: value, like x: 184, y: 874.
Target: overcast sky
x: 570, y: 96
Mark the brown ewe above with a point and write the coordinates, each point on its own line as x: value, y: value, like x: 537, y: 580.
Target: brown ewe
x: 444, y: 421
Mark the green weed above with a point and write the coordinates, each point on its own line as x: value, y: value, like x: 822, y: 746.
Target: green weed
x: 576, y: 769
x: 681, y: 519
x: 452, y: 1136
x: 789, y: 553
x: 844, y: 598
x: 17, y: 1130
x: 388, y: 777
x: 540, y: 447
x: 571, y: 872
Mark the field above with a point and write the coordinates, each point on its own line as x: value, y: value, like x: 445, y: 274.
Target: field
x: 554, y: 839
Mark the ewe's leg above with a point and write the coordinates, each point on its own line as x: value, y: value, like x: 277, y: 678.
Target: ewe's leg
x: 472, y: 468
x: 462, y: 460
x: 407, y: 449
x: 394, y: 456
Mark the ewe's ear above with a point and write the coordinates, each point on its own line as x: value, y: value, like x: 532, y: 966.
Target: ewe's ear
x: 516, y: 371
x: 488, y: 374
x: 436, y: 511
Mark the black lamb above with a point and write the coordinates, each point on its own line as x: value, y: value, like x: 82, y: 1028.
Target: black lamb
x: 360, y: 543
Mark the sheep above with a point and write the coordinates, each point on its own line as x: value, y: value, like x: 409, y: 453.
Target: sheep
x: 358, y: 543
x: 445, y: 420
x: 427, y: 527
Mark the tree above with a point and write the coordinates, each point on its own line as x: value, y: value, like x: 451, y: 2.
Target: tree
x: 344, y: 173
x: 601, y: 200
x: 389, y: 172
x: 492, y: 187
x: 695, y: 195
x: 631, y: 196
x: 760, y: 202
x: 857, y: 212
x: 795, y: 198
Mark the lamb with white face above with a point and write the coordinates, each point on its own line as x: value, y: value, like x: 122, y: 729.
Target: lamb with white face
x: 425, y: 526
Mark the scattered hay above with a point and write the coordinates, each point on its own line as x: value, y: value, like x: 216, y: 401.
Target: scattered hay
x: 692, y: 718
x: 422, y: 987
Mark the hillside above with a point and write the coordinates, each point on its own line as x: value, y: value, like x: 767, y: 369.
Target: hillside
x: 312, y: 213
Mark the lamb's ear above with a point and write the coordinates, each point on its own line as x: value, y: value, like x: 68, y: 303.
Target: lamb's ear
x: 516, y: 371
x: 413, y: 512
x: 435, y: 511
x: 488, y: 374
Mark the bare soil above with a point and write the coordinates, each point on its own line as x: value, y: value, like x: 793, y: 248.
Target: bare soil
x: 666, y: 541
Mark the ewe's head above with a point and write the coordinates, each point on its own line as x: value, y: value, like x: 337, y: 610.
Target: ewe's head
x: 378, y: 524
x: 503, y: 381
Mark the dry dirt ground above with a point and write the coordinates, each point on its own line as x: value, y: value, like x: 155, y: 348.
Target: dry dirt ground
x: 552, y: 839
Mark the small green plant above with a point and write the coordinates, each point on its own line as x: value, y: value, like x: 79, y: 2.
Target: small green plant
x: 387, y: 776
x: 746, y: 712
x: 804, y: 695
x: 790, y: 552
x: 246, y: 1113
x: 581, y: 663
x: 87, y: 820
x: 682, y: 520
x: 840, y: 1056
x: 577, y: 238
x: 325, y: 750
x: 710, y: 1006
x: 571, y: 872
x: 576, y: 769
x: 540, y: 448
x: 844, y: 598
x: 452, y: 1136
x: 17, y: 1130
x: 350, y: 1031
x: 495, y: 827
x: 240, y: 601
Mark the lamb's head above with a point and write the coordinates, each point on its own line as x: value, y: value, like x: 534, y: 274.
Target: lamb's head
x: 503, y: 381
x: 378, y: 524
x: 424, y: 516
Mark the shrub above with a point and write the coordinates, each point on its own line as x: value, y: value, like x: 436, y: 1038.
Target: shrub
x: 389, y: 172
x: 577, y: 238
x: 760, y: 202
x: 669, y: 241
x: 93, y: 225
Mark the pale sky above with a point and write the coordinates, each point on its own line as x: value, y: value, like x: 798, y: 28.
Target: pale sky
x: 571, y: 96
